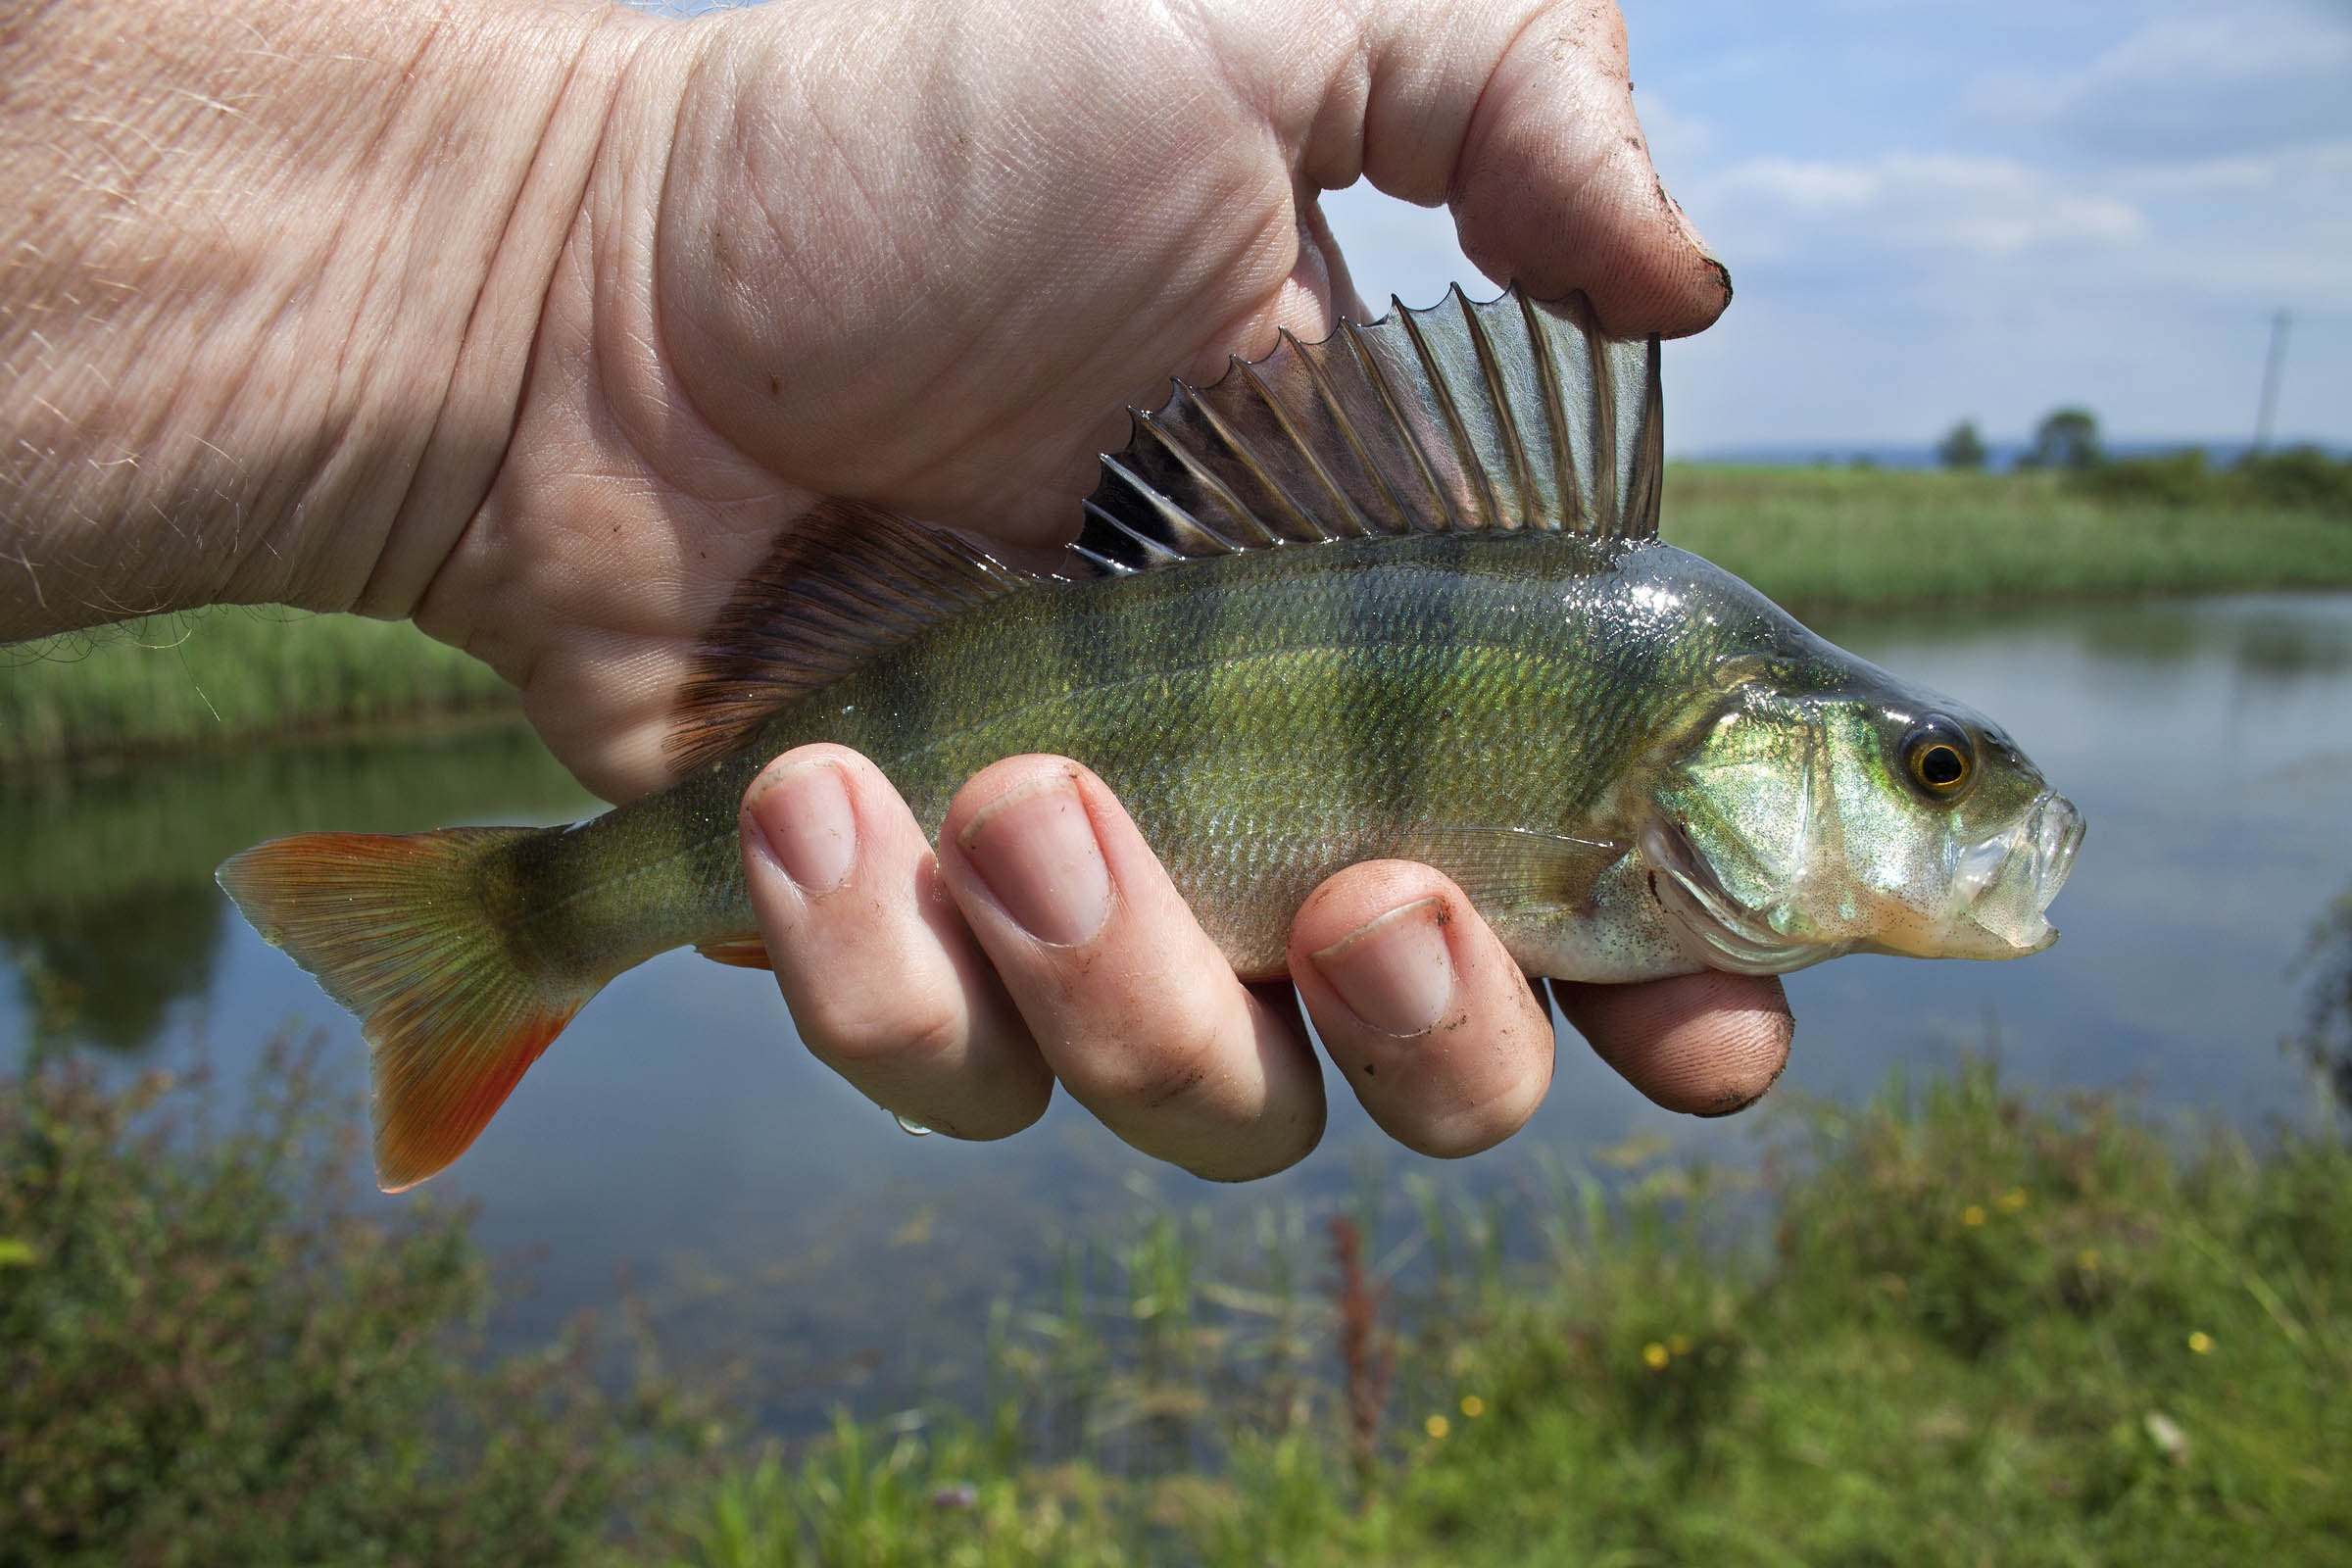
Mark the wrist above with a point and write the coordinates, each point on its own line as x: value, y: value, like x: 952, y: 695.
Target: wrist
x: 275, y: 273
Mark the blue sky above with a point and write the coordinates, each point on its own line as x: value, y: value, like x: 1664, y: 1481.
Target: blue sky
x: 1933, y: 210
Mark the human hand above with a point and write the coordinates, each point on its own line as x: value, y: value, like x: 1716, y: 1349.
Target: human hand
x: 537, y: 325
x: 1045, y: 942
x: 1094, y: 205
x: 921, y: 255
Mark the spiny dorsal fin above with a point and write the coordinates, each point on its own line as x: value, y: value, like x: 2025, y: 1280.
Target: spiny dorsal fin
x: 1507, y: 415
x: 1501, y: 415
x: 842, y: 584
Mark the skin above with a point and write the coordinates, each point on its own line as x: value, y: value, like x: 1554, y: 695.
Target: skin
x: 534, y: 322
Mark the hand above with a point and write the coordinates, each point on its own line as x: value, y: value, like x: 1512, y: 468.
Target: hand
x: 536, y: 324
x: 921, y: 258
x: 1045, y: 942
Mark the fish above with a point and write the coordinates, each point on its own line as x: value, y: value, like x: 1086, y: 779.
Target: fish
x: 1396, y: 594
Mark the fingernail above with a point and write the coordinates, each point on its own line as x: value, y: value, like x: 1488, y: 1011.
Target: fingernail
x: 1036, y: 850
x: 1396, y: 972
x: 811, y: 828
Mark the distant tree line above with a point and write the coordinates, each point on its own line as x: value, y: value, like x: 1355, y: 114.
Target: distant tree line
x: 2067, y: 442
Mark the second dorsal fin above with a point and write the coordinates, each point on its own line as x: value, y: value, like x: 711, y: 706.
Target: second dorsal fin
x: 842, y: 583
x: 1507, y: 415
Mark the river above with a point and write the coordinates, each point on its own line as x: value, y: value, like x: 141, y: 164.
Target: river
x: 678, y: 1146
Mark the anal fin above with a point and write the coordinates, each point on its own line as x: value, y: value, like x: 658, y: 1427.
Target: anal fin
x: 743, y: 953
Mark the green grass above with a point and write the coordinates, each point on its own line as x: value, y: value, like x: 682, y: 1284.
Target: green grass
x: 210, y: 1352
x: 1822, y: 538
x: 1811, y: 538
x: 1961, y: 1329
x: 1952, y: 1327
x: 213, y: 678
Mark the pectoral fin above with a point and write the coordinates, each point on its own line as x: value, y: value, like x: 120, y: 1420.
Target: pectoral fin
x: 1513, y: 874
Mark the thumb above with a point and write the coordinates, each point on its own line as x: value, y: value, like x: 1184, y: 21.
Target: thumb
x: 1521, y: 118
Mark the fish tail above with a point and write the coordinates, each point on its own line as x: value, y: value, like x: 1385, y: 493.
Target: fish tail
x: 401, y: 929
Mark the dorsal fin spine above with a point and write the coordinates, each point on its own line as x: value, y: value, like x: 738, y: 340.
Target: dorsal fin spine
x: 1301, y: 522
x: 1151, y: 546
x: 1338, y: 497
x: 1378, y: 378
x: 1529, y: 513
x: 1604, y: 439
x: 1338, y: 407
x: 1172, y: 517
x: 1481, y: 503
x: 1571, y: 501
x: 1646, y: 488
x: 1202, y: 475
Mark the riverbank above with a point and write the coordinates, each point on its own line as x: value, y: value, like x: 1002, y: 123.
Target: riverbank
x: 1952, y: 1327
x: 1815, y: 539
x: 1819, y: 539
x: 212, y: 679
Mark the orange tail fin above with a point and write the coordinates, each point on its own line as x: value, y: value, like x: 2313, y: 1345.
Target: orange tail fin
x: 397, y: 928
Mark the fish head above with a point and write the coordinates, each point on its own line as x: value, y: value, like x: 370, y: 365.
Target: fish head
x: 1825, y: 807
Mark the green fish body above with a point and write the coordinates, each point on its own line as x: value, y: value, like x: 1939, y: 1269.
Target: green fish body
x: 1398, y: 594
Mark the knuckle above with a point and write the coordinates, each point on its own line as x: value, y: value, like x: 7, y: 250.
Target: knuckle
x: 856, y: 1029
x: 1145, y: 1070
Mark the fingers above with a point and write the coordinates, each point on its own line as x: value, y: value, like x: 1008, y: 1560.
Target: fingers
x: 1046, y: 941
x: 882, y: 978
x: 1421, y: 1008
x: 1526, y: 127
x: 1135, y: 1010
x: 1709, y: 1044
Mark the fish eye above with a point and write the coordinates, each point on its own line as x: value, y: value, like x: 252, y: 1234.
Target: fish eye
x: 1939, y: 756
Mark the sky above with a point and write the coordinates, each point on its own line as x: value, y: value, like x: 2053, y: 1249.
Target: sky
x: 1934, y: 210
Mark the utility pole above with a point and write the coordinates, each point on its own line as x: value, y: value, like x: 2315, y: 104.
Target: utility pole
x: 2271, y: 368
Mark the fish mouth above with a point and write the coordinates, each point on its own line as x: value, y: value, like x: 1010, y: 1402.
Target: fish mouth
x: 2002, y: 885
x: 1995, y: 893
x: 1711, y: 926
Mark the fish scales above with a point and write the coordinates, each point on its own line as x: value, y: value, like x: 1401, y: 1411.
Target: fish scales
x: 1324, y: 709
x: 1400, y: 594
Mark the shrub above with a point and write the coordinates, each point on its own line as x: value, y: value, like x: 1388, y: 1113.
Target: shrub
x: 209, y: 1354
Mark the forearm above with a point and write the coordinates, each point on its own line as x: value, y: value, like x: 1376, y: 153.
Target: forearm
x: 269, y: 278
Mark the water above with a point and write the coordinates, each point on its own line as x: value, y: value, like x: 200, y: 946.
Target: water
x: 678, y: 1146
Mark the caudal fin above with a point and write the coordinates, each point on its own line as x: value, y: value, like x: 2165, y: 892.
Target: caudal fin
x: 398, y: 929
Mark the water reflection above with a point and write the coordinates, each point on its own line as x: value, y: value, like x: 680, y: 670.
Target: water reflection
x: 679, y: 1139
x: 108, y: 912
x: 106, y: 971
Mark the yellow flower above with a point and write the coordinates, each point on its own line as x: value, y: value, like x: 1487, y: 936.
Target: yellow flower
x: 1436, y: 1426
x: 2200, y: 1342
x: 1473, y: 1406
x: 1655, y: 1357
x: 2012, y: 1200
x: 1680, y: 1345
x: 2088, y: 1259
x: 1972, y: 1215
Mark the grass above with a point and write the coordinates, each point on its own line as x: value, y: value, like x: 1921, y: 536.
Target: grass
x: 1845, y: 538
x: 211, y: 1355
x: 1812, y: 538
x: 1961, y: 1329
x: 211, y: 678
x: 1952, y: 1327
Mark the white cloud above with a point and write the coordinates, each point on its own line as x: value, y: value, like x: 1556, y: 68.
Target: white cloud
x: 1936, y: 201
x: 2244, y: 78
